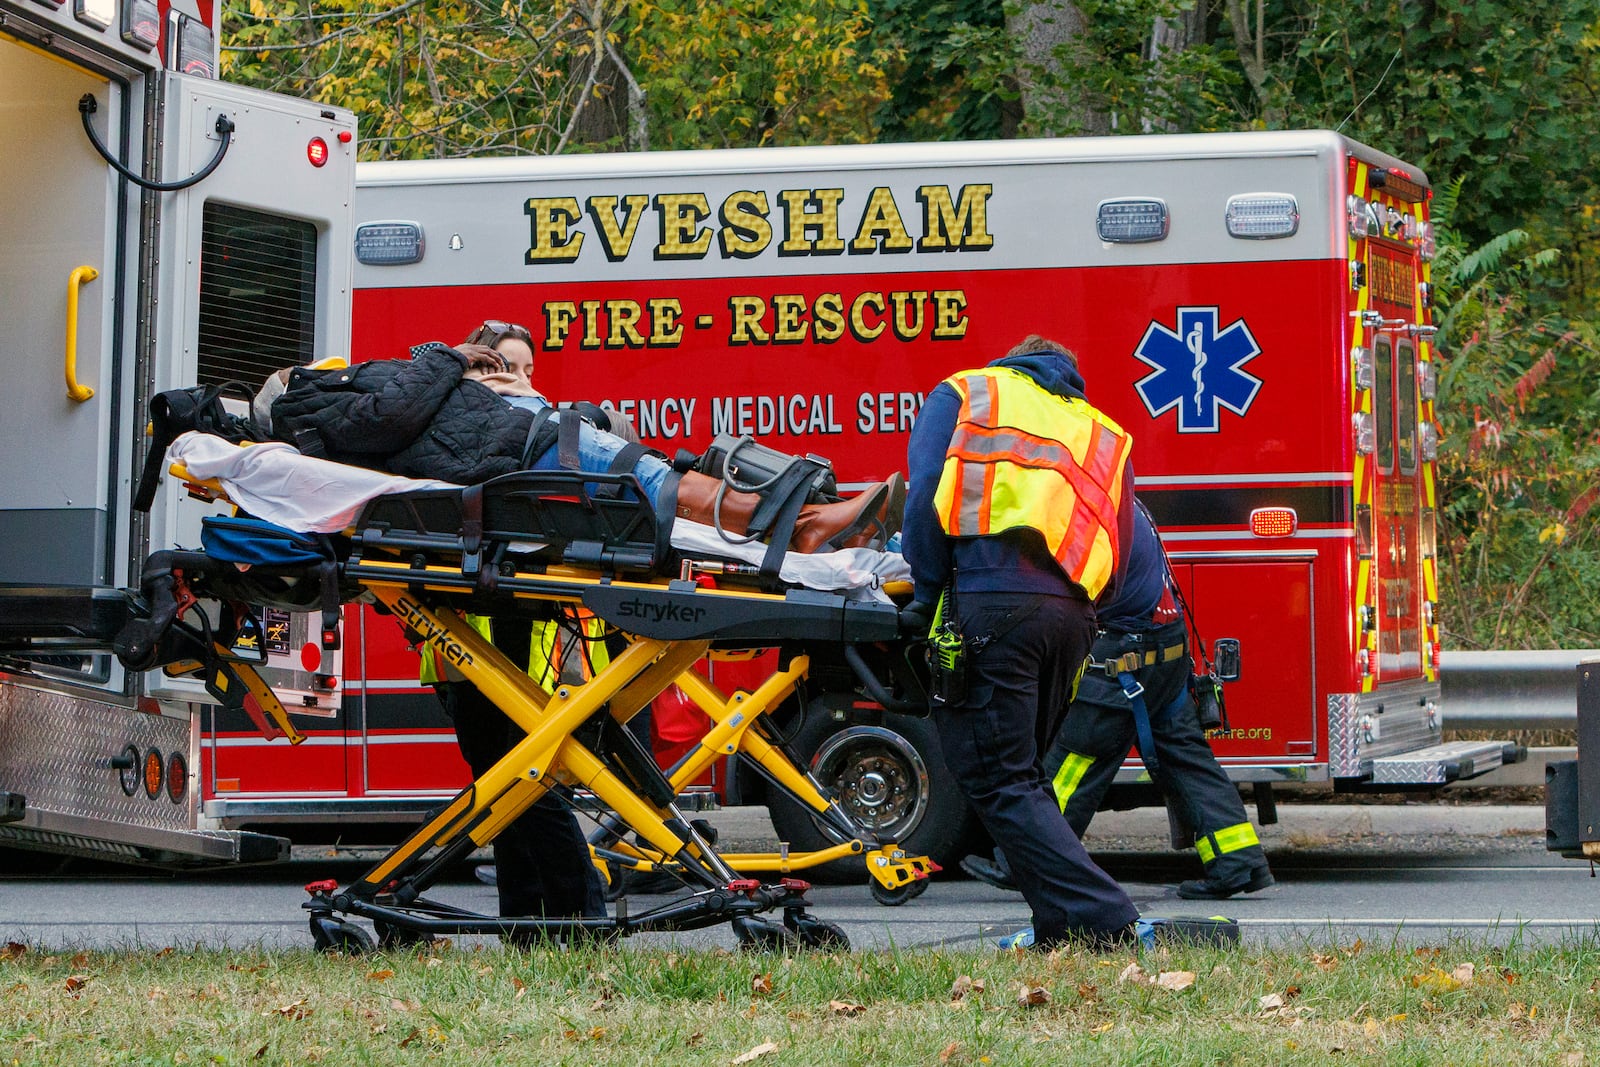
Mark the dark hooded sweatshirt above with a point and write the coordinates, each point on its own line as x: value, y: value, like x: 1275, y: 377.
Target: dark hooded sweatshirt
x: 1015, y: 561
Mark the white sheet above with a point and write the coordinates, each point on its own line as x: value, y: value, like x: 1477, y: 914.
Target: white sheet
x: 274, y: 482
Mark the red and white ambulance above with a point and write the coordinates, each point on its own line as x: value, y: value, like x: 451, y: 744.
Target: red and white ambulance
x: 1254, y: 308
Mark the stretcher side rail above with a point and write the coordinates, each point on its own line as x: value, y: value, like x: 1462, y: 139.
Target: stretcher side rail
x: 586, y: 520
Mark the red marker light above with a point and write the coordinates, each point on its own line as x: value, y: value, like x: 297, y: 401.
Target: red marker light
x: 345, y: 137
x: 317, y: 151
x: 1273, y: 522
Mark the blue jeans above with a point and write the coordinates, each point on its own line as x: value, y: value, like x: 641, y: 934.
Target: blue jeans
x: 596, y: 451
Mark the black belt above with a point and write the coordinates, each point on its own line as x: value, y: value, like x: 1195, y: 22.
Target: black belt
x: 1129, y: 662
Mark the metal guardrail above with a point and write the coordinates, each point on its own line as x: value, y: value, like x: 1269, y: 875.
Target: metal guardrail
x: 1511, y: 690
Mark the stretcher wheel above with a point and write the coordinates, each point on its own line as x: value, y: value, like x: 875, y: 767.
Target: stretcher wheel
x: 391, y: 936
x: 818, y: 933
x: 893, y: 898
x: 756, y: 934
x: 337, y: 936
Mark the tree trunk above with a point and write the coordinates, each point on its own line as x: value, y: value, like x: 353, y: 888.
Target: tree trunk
x: 1048, y: 38
x: 1168, y: 37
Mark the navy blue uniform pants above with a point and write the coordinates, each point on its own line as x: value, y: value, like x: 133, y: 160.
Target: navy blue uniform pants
x: 1099, y: 730
x: 541, y: 858
x: 1020, y: 686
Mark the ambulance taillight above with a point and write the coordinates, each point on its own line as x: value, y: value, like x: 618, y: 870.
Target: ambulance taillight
x: 191, y: 46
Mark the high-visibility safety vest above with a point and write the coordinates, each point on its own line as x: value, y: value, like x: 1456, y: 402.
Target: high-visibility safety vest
x: 1022, y: 456
x: 552, y: 653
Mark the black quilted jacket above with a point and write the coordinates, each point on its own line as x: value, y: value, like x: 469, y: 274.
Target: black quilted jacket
x: 415, y: 417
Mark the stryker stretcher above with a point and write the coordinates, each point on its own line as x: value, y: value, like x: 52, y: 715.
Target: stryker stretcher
x: 542, y: 545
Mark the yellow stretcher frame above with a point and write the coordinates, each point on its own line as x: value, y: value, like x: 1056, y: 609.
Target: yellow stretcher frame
x: 549, y: 754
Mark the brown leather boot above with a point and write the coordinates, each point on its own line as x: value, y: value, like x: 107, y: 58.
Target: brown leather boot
x: 697, y: 502
x: 864, y: 521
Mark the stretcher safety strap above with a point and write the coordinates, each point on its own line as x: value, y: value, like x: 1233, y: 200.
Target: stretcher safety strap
x: 1226, y: 840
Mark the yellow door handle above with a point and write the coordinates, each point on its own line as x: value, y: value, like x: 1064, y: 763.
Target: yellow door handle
x: 75, y: 389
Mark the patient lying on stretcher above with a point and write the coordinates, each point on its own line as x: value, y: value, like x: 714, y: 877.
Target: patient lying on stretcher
x: 438, y: 416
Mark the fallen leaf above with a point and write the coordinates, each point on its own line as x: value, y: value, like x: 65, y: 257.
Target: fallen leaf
x: 844, y: 1007
x: 961, y: 987
x: 1103, y: 1028
x: 1032, y: 996
x: 13, y: 950
x: 81, y: 960
x: 412, y: 1036
x: 1175, y: 981
x: 1324, y: 963
x: 1355, y: 949
x: 521, y: 989
x: 1464, y: 973
x: 1426, y: 952
x: 1269, y: 1003
x: 260, y: 1052
x: 948, y: 1051
x: 1399, y: 1017
x: 1087, y: 991
x: 1436, y: 980
x: 1132, y: 973
x: 381, y: 976
x: 761, y: 984
x: 296, y: 1010
x: 404, y: 1005
x: 1509, y: 976
x: 695, y: 1038
x: 756, y: 1053
x: 164, y: 953
x: 76, y: 982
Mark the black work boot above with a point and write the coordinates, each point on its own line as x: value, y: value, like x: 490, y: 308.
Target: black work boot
x: 992, y: 871
x: 1218, y: 889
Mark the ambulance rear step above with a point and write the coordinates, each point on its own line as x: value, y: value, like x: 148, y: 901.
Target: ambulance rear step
x: 1452, y: 761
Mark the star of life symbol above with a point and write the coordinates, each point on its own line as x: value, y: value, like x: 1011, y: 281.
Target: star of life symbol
x: 1197, y: 369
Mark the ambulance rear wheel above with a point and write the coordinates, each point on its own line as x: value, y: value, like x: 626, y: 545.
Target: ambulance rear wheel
x: 889, y: 777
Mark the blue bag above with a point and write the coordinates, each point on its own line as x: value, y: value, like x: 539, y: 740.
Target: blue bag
x: 238, y: 539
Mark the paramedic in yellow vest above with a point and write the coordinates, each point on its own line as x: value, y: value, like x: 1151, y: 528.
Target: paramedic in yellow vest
x: 542, y: 864
x: 1018, y: 508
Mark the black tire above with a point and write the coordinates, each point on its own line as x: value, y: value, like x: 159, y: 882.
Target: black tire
x: 392, y: 937
x: 337, y: 937
x: 889, y: 777
x: 893, y: 898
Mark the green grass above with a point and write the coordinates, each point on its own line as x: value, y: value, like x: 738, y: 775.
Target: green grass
x: 1340, y: 1004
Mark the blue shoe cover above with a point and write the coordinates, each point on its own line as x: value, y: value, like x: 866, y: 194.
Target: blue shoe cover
x: 1023, y: 938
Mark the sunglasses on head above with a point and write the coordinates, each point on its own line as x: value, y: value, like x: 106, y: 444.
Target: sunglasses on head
x: 493, y: 331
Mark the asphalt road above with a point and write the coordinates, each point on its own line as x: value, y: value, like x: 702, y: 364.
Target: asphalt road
x: 1418, y: 874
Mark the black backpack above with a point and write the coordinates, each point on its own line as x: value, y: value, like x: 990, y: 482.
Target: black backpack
x: 178, y: 411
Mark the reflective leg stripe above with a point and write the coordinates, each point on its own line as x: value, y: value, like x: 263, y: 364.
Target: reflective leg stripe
x: 1067, y: 778
x: 1226, y: 840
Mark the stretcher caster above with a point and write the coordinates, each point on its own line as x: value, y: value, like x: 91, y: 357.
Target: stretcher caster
x: 392, y: 937
x: 893, y: 898
x: 816, y: 933
x: 337, y: 936
x: 756, y: 934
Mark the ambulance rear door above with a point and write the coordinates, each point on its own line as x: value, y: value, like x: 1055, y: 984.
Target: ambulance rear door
x: 1394, y: 331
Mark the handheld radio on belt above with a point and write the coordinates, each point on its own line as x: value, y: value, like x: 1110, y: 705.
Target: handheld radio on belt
x: 1206, y: 686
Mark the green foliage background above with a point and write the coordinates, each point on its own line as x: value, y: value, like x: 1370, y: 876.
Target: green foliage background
x: 1496, y: 100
